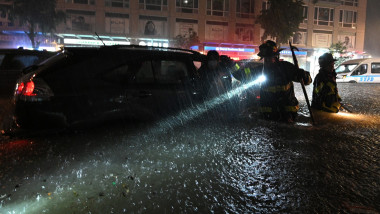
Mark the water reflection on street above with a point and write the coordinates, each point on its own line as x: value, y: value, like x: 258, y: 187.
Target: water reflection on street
x: 205, y: 166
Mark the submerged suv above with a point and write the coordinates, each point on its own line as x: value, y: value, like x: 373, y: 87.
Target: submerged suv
x: 96, y: 84
x: 12, y: 63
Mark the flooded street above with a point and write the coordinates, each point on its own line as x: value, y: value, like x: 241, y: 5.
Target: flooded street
x: 204, y: 166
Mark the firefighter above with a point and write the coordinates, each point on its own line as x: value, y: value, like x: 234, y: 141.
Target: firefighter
x: 325, y: 91
x: 277, y: 99
x: 211, y: 74
x: 230, y: 66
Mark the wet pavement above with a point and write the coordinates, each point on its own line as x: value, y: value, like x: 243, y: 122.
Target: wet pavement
x: 202, y: 166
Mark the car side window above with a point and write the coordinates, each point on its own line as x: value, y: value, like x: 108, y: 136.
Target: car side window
x: 119, y: 74
x: 375, y: 68
x: 26, y: 60
x: 362, y: 69
x: 171, y: 72
x: 145, y: 73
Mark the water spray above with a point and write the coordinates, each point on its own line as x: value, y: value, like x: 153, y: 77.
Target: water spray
x: 193, y: 112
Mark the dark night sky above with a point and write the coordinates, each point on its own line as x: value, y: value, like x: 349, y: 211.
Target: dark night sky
x: 372, y: 31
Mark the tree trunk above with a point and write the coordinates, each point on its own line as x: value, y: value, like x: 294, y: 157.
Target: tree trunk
x: 32, y: 35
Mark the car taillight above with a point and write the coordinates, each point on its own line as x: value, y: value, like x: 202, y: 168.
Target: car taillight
x: 29, y: 88
x: 33, y: 89
x: 20, y: 87
x: 26, y: 89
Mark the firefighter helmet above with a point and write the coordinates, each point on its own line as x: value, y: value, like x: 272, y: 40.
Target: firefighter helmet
x: 268, y: 49
x: 213, y: 55
x: 326, y: 59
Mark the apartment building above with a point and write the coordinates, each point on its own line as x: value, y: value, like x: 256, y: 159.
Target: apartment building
x: 224, y: 25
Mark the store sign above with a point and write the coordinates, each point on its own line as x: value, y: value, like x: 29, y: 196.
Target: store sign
x: 94, y: 42
x: 195, y: 47
x: 209, y: 48
x: 142, y: 42
x: 295, y: 52
x: 154, y: 43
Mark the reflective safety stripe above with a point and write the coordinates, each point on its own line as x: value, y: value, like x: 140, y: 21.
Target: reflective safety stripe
x: 329, y: 84
x: 332, y: 87
x: 265, y: 109
x: 334, y: 107
x: 317, y: 89
x: 247, y: 72
x: 291, y: 108
x: 278, y: 88
x: 237, y: 67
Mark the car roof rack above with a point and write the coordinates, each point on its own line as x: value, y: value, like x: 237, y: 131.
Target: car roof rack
x: 152, y: 48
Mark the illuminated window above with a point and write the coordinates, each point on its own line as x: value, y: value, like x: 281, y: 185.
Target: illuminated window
x: 217, y: 7
x: 347, y: 18
x: 245, y: 8
x: 350, y: 2
x: 187, y: 6
x: 117, y: 3
x: 324, y: 16
x: 160, y: 5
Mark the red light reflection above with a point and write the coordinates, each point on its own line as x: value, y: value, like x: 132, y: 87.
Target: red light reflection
x: 15, y: 144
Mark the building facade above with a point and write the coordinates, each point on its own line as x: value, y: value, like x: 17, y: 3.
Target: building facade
x: 224, y: 25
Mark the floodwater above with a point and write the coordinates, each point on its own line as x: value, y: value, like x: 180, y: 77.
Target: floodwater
x: 203, y: 166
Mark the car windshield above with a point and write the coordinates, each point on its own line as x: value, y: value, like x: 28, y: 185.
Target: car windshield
x: 346, y: 68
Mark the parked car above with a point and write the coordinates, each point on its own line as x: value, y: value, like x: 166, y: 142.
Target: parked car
x: 95, y: 84
x: 365, y: 70
x: 13, y: 61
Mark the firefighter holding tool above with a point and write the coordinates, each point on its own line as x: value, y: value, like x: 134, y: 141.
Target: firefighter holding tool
x: 277, y: 99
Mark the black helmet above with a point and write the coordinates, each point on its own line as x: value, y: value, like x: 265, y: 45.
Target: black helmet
x: 268, y: 49
x: 213, y: 55
x: 326, y: 59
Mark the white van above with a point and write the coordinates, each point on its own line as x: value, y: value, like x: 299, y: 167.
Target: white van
x: 359, y: 71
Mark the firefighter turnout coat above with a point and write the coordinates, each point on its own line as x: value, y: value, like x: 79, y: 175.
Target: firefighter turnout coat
x: 277, y: 96
x: 325, y: 92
